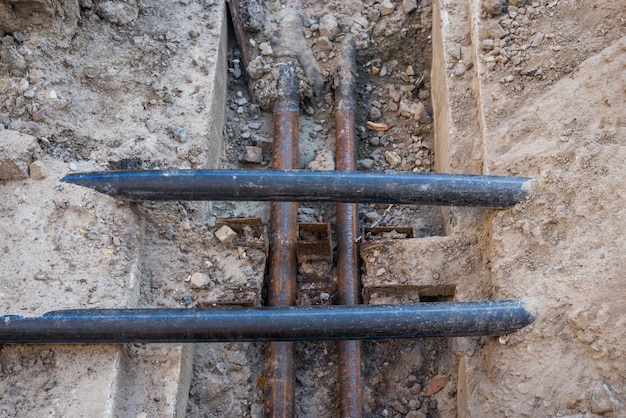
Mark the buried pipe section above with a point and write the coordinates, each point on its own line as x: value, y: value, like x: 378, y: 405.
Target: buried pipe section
x: 289, y: 323
x: 350, y: 397
x: 279, y: 365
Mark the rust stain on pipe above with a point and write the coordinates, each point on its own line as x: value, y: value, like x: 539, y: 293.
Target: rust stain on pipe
x: 279, y: 367
x: 351, y: 404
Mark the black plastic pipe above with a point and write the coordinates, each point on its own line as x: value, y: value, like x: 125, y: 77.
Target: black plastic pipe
x: 436, y: 319
x: 299, y: 185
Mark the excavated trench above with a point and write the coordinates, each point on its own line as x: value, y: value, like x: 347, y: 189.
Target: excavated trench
x: 399, y: 376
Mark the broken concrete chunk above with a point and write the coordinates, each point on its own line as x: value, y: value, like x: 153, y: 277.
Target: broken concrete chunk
x: 16, y: 154
x: 225, y: 234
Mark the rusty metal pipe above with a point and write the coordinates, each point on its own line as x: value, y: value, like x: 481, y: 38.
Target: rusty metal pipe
x: 279, y: 366
x: 350, y: 397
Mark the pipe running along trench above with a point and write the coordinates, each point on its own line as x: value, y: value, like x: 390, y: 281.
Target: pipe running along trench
x: 279, y: 364
x: 350, y: 387
x: 302, y: 185
x: 289, y: 323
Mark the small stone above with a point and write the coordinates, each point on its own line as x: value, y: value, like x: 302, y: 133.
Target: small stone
x: 329, y: 26
x: 117, y: 12
x: 152, y: 125
x: 225, y: 234
x: 193, y: 34
x: 37, y: 171
x: 392, y: 158
x: 365, y: 164
x: 254, y: 125
x: 386, y: 7
x: 415, y: 389
x: 493, y: 30
x: 73, y: 167
x: 421, y: 114
x: 375, y: 113
x: 253, y: 154
x: 199, y: 280
x: 487, y: 44
x: 16, y: 154
x: 408, y: 6
x: 178, y: 133
x: 600, y: 400
x: 492, y: 7
x: 536, y: 39
x: 373, y: 216
x: 373, y: 15
x: 40, y: 115
x: 407, y: 108
x: 460, y: 68
x: 393, y: 93
x: 266, y: 49
x: 323, y: 44
x: 517, y: 3
x: 324, y: 296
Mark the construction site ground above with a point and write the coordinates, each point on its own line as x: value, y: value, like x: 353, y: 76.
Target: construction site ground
x: 516, y: 88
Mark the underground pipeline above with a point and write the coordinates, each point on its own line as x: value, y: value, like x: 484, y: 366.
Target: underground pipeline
x: 293, y: 323
x: 348, y: 286
x: 288, y: 185
x: 283, y: 236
